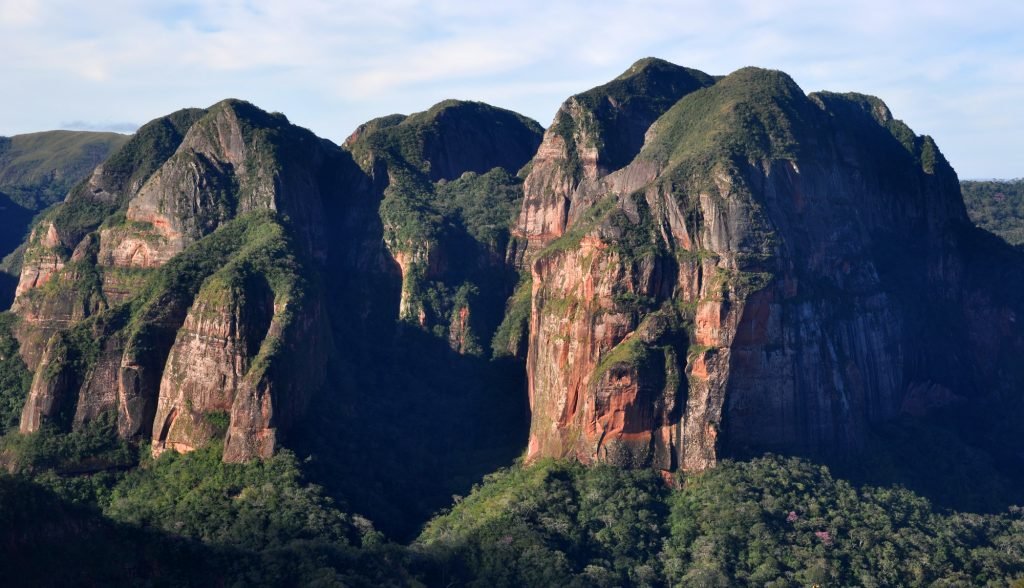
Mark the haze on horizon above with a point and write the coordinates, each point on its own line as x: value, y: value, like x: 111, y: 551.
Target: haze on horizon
x: 950, y: 70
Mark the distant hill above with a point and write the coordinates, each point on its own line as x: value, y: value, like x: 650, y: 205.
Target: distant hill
x: 997, y: 206
x: 37, y: 170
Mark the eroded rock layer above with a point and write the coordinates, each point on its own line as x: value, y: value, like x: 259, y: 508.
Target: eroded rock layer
x: 186, y: 305
x: 202, y: 282
x: 753, y: 279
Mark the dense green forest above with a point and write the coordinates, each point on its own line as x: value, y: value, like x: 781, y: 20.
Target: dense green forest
x: 772, y: 521
x: 86, y: 508
x: 997, y: 206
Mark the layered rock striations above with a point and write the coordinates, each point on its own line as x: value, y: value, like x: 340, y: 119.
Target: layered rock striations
x: 689, y: 267
x: 246, y: 359
x: 203, y: 282
x: 753, y: 279
x: 63, y: 237
x: 186, y: 304
x: 593, y: 134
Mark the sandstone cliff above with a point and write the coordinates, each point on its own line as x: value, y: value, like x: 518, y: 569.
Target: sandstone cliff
x: 753, y: 279
x: 593, y: 134
x: 689, y: 267
x: 202, y: 283
x: 185, y: 304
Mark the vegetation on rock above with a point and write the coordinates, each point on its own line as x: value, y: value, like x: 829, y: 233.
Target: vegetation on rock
x: 997, y: 206
x: 38, y: 169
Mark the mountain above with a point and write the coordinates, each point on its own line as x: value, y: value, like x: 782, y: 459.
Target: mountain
x: 204, y: 283
x: 167, y: 288
x: 232, y: 321
x: 771, y: 271
x: 420, y: 285
x: 709, y: 266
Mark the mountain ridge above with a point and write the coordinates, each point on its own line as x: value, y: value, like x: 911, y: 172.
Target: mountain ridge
x: 682, y: 268
x: 243, y: 353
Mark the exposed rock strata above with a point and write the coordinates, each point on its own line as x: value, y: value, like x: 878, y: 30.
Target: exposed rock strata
x: 716, y: 267
x: 165, y: 350
x: 734, y: 288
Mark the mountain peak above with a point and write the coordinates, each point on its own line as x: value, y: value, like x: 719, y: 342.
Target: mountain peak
x: 654, y: 66
x: 449, y: 138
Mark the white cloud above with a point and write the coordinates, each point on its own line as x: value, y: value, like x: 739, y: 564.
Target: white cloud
x: 18, y: 12
x: 117, y: 127
x: 949, y: 68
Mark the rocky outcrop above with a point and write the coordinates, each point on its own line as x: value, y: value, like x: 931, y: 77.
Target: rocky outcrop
x: 227, y: 165
x: 203, y: 313
x: 736, y: 286
x: 446, y: 187
x: 48, y: 397
x: 206, y: 366
x: 243, y: 364
x: 133, y: 246
x: 708, y: 267
x: 630, y: 341
x: 143, y: 318
x: 75, y: 381
x: 62, y: 248
x: 593, y: 134
x: 45, y: 261
x: 290, y: 367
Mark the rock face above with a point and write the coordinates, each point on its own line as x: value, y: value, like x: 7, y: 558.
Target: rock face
x: 448, y: 191
x: 197, y: 283
x: 216, y: 378
x: 192, y: 314
x: 61, y: 248
x: 751, y: 280
x: 689, y: 267
x: 593, y: 134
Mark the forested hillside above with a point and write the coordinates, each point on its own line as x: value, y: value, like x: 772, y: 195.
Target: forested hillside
x: 997, y: 206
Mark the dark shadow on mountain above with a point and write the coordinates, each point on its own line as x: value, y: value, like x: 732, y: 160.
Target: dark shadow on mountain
x: 8, y: 284
x: 407, y: 423
x: 48, y: 541
x: 951, y: 458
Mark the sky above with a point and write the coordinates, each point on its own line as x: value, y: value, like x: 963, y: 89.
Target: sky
x: 950, y: 69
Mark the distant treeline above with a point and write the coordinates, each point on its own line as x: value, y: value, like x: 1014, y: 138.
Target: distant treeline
x: 997, y: 206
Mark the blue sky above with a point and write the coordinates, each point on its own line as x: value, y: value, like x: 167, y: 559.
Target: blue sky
x: 954, y: 70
